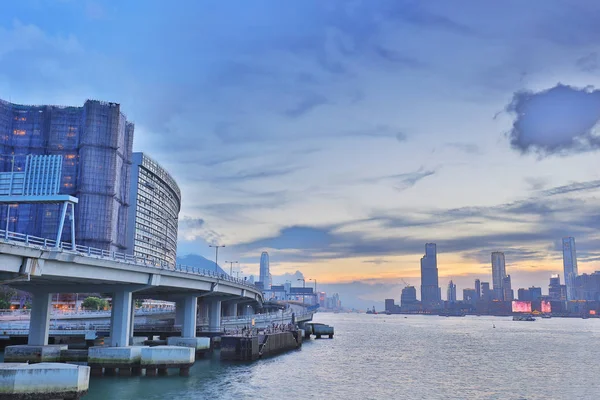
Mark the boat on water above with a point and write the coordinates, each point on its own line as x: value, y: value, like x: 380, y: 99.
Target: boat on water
x: 372, y: 311
x: 452, y: 314
x: 523, y: 318
x: 546, y: 316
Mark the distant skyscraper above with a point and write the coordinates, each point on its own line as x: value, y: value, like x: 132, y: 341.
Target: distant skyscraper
x: 507, y: 292
x: 498, y: 274
x: 556, y: 291
x: 451, y: 292
x: 486, y: 294
x: 265, y: 274
x: 469, y: 296
x: 430, y: 288
x: 408, y: 296
x: 570, y: 266
x: 477, y: 289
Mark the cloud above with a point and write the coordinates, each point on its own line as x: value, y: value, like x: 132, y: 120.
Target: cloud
x: 574, y: 187
x: 408, y: 180
x: 306, y: 105
x: 468, y: 148
x: 559, y: 120
x: 589, y: 63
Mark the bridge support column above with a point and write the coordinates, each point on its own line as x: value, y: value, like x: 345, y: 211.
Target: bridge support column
x: 232, y: 310
x: 179, y: 311
x: 120, y: 318
x: 39, y: 325
x: 189, y: 309
x: 248, y: 310
x: 214, y: 322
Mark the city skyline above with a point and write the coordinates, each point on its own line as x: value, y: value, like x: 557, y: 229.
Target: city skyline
x: 342, y: 137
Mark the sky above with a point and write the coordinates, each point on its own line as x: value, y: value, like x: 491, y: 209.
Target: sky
x: 341, y: 136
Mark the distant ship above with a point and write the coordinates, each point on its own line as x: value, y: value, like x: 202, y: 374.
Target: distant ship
x: 546, y: 316
x: 523, y: 318
x: 372, y: 311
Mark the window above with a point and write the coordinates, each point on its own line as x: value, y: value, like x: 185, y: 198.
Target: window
x: 19, y: 132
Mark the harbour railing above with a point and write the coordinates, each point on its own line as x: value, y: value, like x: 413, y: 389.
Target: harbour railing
x: 66, y: 247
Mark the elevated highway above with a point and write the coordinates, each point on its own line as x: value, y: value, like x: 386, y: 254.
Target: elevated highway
x: 44, y: 267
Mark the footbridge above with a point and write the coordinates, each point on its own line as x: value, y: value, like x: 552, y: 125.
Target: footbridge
x: 44, y: 267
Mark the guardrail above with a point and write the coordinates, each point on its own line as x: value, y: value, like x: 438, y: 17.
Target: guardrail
x: 65, y: 247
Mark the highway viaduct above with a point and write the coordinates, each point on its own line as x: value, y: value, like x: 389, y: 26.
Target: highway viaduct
x: 41, y: 268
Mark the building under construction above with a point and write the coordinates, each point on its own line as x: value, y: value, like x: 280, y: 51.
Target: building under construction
x: 96, y: 144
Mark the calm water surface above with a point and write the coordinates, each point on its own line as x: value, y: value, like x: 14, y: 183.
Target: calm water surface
x: 385, y: 357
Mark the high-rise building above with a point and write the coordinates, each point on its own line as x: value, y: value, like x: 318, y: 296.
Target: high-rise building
x: 587, y: 287
x: 265, y: 273
x: 155, y: 203
x: 451, y: 293
x: 408, y: 296
x: 95, y: 141
x: 570, y: 266
x: 389, y: 305
x: 498, y: 274
x: 469, y: 296
x: 486, y: 294
x: 477, y: 289
x: 430, y: 288
x: 507, y: 292
x: 556, y: 291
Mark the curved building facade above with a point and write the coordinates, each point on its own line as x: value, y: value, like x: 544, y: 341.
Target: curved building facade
x: 95, y: 141
x: 155, y: 205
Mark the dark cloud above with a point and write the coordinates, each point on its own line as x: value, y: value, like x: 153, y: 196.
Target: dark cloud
x: 574, y: 187
x: 559, y: 120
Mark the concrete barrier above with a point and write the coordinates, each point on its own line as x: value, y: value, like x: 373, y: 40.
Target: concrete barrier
x: 33, y: 354
x: 43, y: 381
x: 126, y: 359
x: 199, y: 344
x: 163, y: 357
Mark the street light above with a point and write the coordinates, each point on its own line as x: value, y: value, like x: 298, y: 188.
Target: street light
x: 231, y: 267
x: 216, y: 246
x: 311, y: 279
x: 304, y: 287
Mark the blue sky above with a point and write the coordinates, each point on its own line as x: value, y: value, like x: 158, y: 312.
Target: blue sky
x: 341, y: 136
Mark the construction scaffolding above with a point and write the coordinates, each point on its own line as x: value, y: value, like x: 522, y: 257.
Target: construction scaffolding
x: 95, y: 142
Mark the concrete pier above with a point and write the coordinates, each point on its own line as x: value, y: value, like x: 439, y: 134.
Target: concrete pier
x: 111, y: 358
x: 43, y: 381
x: 201, y: 345
x: 163, y: 357
x: 250, y: 348
x: 33, y: 354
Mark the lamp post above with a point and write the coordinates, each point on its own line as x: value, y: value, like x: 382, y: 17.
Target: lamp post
x: 304, y: 287
x: 231, y: 267
x: 216, y: 246
x: 311, y: 279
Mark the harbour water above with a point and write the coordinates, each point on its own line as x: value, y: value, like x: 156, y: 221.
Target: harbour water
x: 390, y: 356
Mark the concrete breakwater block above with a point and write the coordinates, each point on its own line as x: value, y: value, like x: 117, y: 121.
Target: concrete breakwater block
x: 114, y: 357
x: 33, y: 354
x: 199, y: 344
x: 167, y: 357
x: 43, y: 381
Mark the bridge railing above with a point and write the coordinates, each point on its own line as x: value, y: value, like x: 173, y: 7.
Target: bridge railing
x: 52, y: 245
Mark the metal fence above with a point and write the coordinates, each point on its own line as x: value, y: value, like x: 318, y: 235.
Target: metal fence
x: 65, y: 247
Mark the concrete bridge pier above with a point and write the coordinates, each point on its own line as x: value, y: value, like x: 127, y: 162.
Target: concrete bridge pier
x: 214, y: 318
x: 231, y: 309
x: 120, y: 318
x: 39, y: 325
